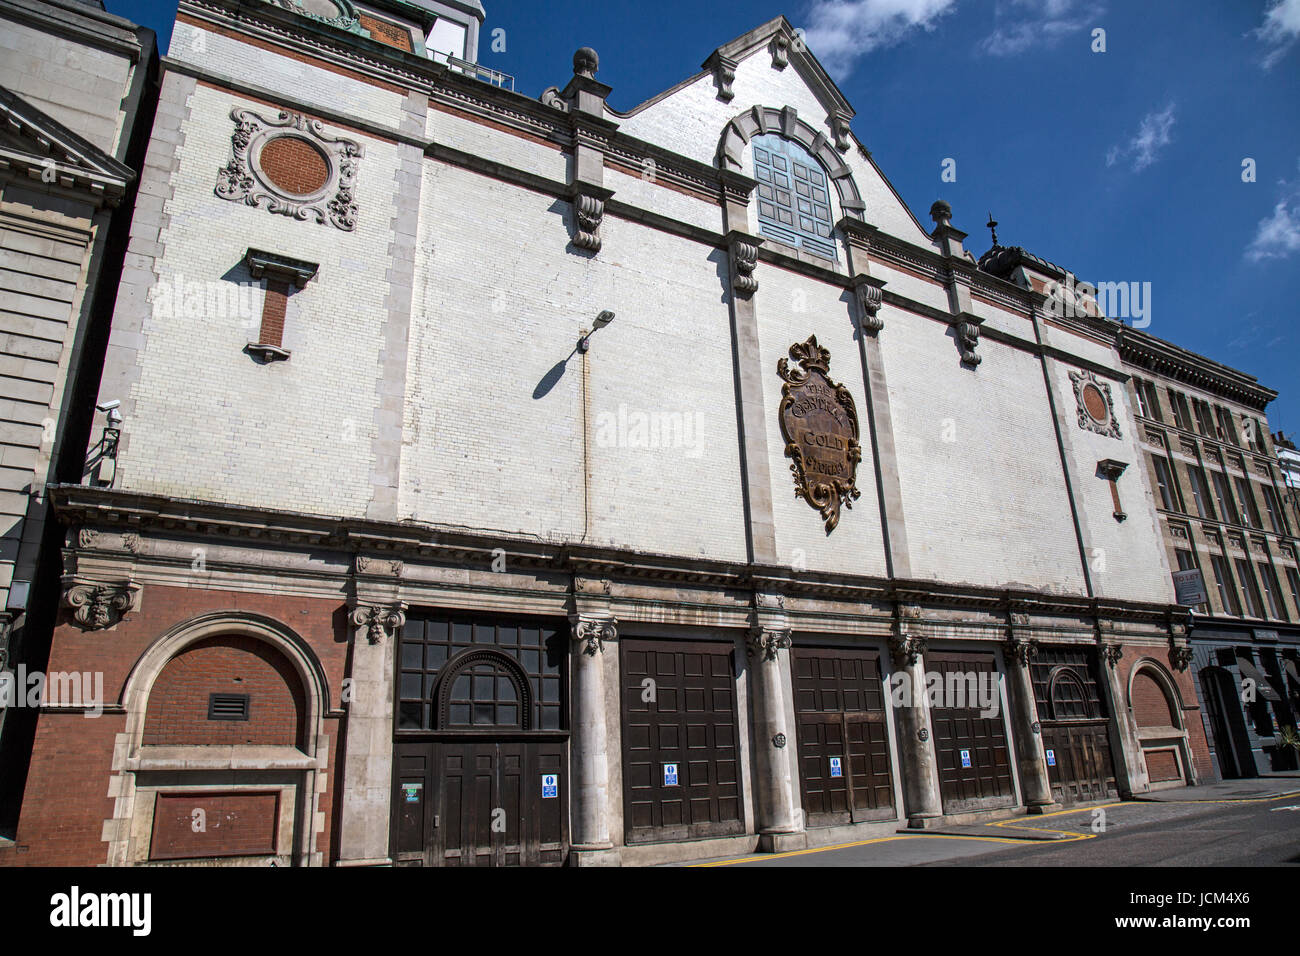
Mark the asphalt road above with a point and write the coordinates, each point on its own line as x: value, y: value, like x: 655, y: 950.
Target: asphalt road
x: 1262, y: 832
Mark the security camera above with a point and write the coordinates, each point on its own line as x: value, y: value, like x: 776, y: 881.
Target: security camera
x: 109, y: 406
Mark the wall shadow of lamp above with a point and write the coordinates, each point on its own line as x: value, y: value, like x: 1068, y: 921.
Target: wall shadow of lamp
x: 103, y: 457
x: 584, y: 337
x: 1110, y: 469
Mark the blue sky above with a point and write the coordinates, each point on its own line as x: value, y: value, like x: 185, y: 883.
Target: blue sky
x: 1123, y: 165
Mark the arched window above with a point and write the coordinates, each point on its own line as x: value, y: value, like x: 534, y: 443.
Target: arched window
x: 1068, y: 696
x: 794, y: 206
x: 483, y: 689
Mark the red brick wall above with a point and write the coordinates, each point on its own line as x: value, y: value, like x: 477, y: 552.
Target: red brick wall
x: 1191, y: 714
x: 178, y: 703
x: 66, y: 803
x: 1151, y: 707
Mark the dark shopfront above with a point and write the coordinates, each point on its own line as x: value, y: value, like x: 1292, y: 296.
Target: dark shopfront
x: 1248, y: 681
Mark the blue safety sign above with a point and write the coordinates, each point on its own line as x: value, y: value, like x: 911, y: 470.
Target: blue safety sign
x: 836, y: 770
x: 411, y: 791
x: 965, y: 758
x: 1051, y: 758
x: 670, y: 775
x: 550, y: 785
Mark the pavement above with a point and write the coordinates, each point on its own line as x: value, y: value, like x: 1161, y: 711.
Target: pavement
x: 1252, y: 822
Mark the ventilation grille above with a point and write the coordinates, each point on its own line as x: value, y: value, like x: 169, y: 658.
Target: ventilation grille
x: 227, y: 707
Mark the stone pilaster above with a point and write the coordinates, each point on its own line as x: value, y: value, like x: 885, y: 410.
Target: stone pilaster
x: 768, y: 650
x: 590, y: 128
x: 1031, y: 760
x: 367, y: 773
x: 1130, y: 766
x: 588, y: 757
x: 920, y: 765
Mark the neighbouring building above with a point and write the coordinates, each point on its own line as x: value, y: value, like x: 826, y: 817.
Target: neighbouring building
x: 77, y: 86
x: 1222, y: 502
x: 1288, y: 460
x: 517, y: 480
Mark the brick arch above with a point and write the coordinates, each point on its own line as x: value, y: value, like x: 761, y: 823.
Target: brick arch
x: 1153, y: 698
x: 785, y: 122
x: 230, y: 664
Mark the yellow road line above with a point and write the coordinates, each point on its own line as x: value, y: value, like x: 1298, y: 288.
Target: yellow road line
x: 760, y: 857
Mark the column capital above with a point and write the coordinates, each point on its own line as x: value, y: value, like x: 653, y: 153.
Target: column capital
x: 765, y: 641
x: 906, y: 649
x: 592, y: 632
x: 1112, y: 651
x: 380, y: 621
x: 1020, y: 649
x: 97, y: 605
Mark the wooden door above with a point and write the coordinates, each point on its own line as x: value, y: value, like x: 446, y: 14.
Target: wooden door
x: 971, y: 747
x: 1075, y: 729
x: 681, y: 758
x: 844, y: 764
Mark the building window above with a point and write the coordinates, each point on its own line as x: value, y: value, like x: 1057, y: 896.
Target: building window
x: 1205, y: 418
x: 1272, y: 592
x: 1200, y: 491
x: 1293, y: 582
x: 1249, y: 511
x: 1227, y: 433
x: 1249, y: 589
x: 1182, y: 415
x: 1187, y: 562
x: 794, y: 205
x: 1165, y: 482
x: 1223, y: 581
x: 1139, y: 390
x: 1222, y: 494
x: 1152, y: 400
x: 1274, y: 509
x: 478, y: 693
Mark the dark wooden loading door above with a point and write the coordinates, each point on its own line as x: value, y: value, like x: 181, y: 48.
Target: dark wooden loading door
x: 840, y: 713
x: 686, y: 717
x: 480, y: 803
x: 1076, y: 733
x: 986, y: 782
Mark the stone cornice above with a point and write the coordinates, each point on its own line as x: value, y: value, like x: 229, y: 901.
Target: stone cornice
x: 1164, y: 358
x: 133, y: 513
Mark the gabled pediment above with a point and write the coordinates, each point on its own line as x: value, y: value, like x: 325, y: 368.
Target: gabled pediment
x: 37, y: 146
x: 781, y: 40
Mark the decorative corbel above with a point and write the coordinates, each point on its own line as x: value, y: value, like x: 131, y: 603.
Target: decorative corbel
x: 724, y: 74
x: 967, y: 328
x: 840, y: 130
x: 780, y: 50
x: 99, y: 605
x: 1112, y: 651
x: 1021, y: 650
x: 1180, y: 654
x: 870, y: 298
x: 380, y: 621
x: 588, y: 213
x: 743, y: 249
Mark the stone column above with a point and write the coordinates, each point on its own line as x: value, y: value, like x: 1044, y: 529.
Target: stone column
x: 769, y: 660
x: 1126, y: 749
x: 1035, y: 781
x: 367, y: 778
x: 588, y: 759
x: 920, y: 765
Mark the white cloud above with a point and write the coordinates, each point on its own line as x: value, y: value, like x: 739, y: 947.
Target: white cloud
x: 1036, y: 23
x: 1153, y: 135
x: 841, y: 31
x: 1279, y: 30
x: 1278, y: 236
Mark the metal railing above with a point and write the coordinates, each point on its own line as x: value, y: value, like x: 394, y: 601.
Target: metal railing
x: 486, y: 74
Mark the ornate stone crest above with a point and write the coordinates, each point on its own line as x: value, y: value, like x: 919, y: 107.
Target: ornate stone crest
x: 379, y: 622
x: 96, y: 606
x: 1096, y: 408
x: 820, y: 425
x: 292, y: 167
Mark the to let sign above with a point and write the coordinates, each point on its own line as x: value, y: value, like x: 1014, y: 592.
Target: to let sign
x: 1189, y: 588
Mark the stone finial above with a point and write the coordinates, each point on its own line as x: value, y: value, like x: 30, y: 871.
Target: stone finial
x: 585, y: 62
x: 941, y: 213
